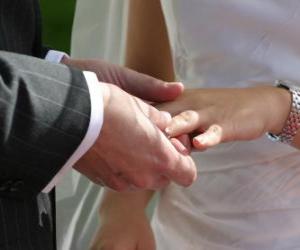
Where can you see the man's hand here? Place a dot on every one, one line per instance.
(143, 86)
(132, 150)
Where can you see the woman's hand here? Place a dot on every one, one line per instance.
(222, 115)
(124, 232)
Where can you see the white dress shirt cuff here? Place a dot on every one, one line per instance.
(55, 56)
(93, 131)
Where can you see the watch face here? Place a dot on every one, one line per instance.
(273, 137)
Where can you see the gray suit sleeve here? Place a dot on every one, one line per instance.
(44, 115)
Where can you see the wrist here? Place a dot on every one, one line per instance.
(120, 211)
(282, 100)
(76, 63)
(126, 203)
(65, 60)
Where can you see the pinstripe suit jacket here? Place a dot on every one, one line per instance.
(44, 114)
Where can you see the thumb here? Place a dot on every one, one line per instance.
(213, 136)
(149, 88)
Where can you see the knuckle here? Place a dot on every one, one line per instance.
(153, 114)
(189, 115)
(120, 188)
(143, 183)
(175, 123)
(116, 185)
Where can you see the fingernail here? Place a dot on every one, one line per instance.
(216, 129)
(177, 83)
(199, 141)
(196, 142)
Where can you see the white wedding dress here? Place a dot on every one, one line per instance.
(247, 196)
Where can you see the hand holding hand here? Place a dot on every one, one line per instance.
(132, 150)
(222, 115)
(140, 85)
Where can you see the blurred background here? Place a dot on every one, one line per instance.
(57, 23)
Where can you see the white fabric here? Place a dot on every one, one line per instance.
(95, 124)
(55, 56)
(98, 32)
(247, 196)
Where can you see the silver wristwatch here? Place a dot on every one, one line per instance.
(292, 123)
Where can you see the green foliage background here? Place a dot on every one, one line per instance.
(57, 16)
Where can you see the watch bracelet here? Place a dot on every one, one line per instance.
(292, 123)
